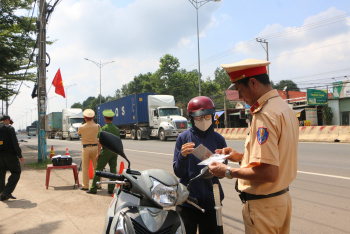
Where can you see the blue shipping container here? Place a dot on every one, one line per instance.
(128, 110)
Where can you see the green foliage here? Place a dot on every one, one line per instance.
(77, 105)
(327, 115)
(291, 86)
(16, 45)
(222, 78)
(170, 79)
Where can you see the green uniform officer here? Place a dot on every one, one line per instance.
(105, 156)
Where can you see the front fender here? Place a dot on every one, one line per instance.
(134, 219)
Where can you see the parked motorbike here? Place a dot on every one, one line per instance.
(145, 200)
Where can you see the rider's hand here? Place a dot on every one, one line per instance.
(187, 149)
(21, 159)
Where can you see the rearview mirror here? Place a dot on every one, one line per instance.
(204, 174)
(113, 143)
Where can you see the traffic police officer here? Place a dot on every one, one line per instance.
(105, 156)
(89, 140)
(269, 161)
(10, 152)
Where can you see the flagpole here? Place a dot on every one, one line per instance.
(49, 89)
(67, 86)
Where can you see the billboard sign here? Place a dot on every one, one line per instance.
(316, 97)
(341, 89)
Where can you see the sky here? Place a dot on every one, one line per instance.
(308, 42)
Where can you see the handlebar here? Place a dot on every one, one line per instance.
(110, 175)
(192, 199)
(193, 202)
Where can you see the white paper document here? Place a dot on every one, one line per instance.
(214, 158)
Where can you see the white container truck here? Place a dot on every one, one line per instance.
(72, 118)
(145, 115)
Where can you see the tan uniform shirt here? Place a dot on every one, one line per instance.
(89, 132)
(273, 139)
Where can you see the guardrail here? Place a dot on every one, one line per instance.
(306, 133)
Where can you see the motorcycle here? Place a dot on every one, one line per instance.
(144, 200)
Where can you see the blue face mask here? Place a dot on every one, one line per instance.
(203, 124)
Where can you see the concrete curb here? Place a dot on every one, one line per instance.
(306, 133)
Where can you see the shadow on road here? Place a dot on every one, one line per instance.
(21, 203)
(39, 229)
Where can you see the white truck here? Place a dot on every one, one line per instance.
(32, 131)
(145, 115)
(72, 118)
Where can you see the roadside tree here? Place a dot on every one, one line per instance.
(16, 46)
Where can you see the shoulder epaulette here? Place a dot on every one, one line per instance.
(259, 108)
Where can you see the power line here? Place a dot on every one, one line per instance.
(285, 32)
(317, 74)
(301, 51)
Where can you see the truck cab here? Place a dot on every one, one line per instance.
(32, 132)
(72, 118)
(166, 120)
(74, 123)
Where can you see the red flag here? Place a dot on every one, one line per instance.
(57, 82)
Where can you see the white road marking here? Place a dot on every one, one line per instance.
(325, 175)
(302, 172)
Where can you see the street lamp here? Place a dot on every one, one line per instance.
(262, 40)
(67, 86)
(197, 4)
(100, 65)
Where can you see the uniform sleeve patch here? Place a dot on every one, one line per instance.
(262, 135)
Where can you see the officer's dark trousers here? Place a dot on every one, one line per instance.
(194, 218)
(9, 162)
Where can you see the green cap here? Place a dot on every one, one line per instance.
(108, 113)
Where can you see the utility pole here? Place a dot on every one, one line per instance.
(225, 110)
(41, 63)
(262, 40)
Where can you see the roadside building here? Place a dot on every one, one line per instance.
(309, 111)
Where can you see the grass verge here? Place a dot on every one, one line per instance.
(39, 165)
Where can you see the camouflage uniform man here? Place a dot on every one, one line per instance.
(105, 156)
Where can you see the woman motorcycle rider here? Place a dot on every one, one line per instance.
(201, 111)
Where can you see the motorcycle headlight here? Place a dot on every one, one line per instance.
(162, 194)
(120, 228)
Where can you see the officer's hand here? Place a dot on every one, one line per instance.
(233, 154)
(21, 159)
(226, 150)
(217, 169)
(187, 149)
(97, 156)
